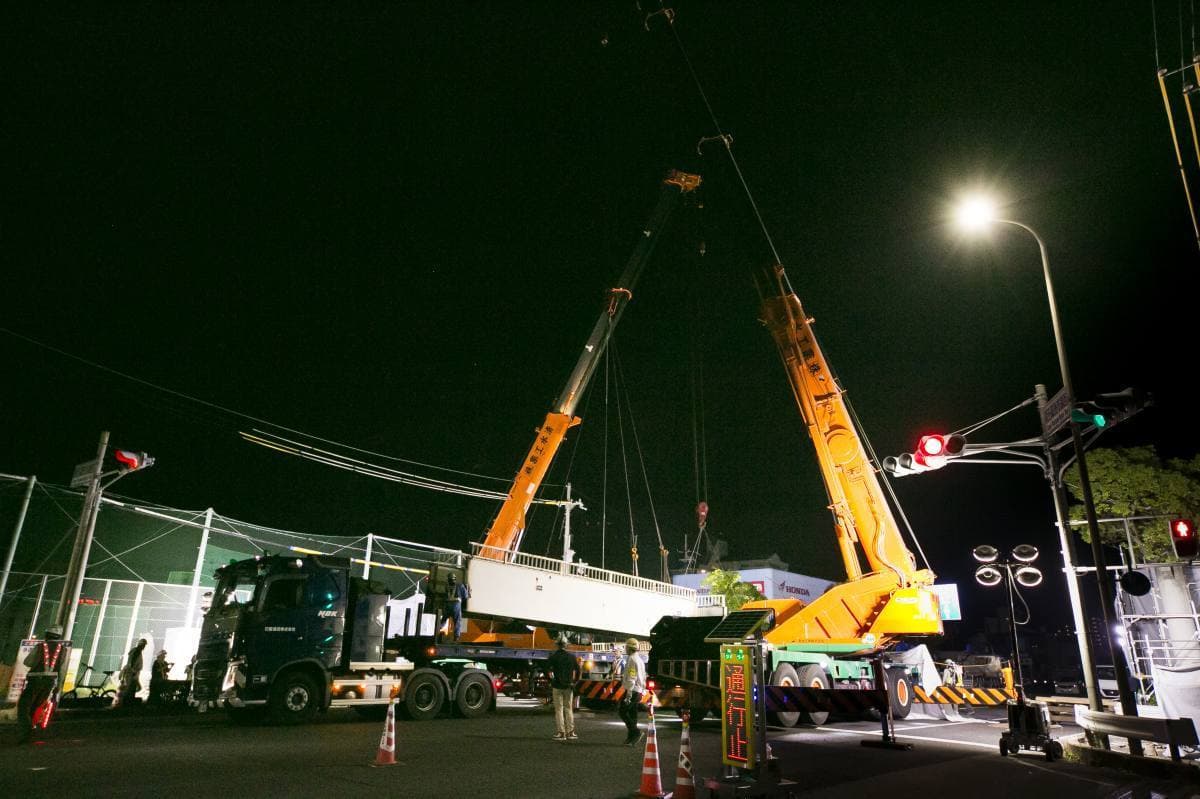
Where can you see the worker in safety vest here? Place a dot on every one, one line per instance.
(632, 668)
(46, 664)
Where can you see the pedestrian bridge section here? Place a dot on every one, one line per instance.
(553, 593)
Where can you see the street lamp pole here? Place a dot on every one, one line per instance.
(1012, 623)
(1120, 667)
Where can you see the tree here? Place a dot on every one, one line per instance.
(1135, 481)
(730, 585)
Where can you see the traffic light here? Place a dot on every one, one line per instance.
(932, 453)
(130, 461)
(1088, 413)
(1183, 538)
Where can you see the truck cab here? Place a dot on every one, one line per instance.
(281, 629)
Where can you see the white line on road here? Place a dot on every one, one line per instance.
(913, 737)
(940, 724)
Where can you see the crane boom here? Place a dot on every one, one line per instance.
(504, 535)
(893, 597)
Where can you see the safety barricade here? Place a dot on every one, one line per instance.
(789, 699)
(606, 691)
(953, 695)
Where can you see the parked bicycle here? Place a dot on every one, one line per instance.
(101, 693)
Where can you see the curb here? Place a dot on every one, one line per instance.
(1077, 750)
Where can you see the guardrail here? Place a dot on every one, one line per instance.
(556, 566)
(1172, 732)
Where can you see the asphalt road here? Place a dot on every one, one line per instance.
(510, 754)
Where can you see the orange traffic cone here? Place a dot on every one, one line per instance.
(685, 782)
(651, 778)
(386, 756)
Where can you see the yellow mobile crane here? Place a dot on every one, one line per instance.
(825, 643)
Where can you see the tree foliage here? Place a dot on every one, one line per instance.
(1135, 481)
(729, 584)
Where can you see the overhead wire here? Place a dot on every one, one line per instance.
(236, 413)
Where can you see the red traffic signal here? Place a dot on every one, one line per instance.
(132, 461)
(1183, 538)
(933, 450)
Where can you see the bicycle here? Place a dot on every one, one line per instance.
(103, 692)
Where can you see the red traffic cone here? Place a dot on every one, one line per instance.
(651, 778)
(685, 782)
(386, 756)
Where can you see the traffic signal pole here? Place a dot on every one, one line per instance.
(68, 603)
(1068, 553)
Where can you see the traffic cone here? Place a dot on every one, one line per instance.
(651, 778)
(685, 783)
(386, 756)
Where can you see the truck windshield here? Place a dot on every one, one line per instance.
(235, 590)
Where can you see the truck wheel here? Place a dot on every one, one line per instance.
(899, 693)
(1003, 748)
(294, 699)
(474, 695)
(811, 675)
(424, 696)
(784, 674)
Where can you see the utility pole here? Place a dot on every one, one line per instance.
(1068, 553)
(16, 536)
(73, 583)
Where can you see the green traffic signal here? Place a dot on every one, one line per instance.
(1080, 416)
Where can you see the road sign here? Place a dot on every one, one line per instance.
(737, 706)
(1055, 413)
(83, 473)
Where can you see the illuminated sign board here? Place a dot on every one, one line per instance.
(737, 708)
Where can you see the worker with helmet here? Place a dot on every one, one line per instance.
(46, 664)
(564, 671)
(632, 668)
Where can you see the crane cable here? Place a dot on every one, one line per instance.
(727, 140)
(633, 550)
(664, 565)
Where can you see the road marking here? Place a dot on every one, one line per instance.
(913, 737)
(940, 724)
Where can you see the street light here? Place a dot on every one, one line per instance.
(974, 214)
(1017, 569)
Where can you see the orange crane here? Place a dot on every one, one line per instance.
(828, 642)
(507, 529)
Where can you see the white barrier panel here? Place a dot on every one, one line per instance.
(562, 599)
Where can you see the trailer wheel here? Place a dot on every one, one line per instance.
(784, 674)
(899, 693)
(474, 695)
(811, 675)
(294, 698)
(424, 696)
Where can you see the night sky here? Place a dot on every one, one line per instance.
(393, 225)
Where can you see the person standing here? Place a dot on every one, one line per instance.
(46, 664)
(632, 668)
(456, 596)
(564, 671)
(131, 675)
(160, 672)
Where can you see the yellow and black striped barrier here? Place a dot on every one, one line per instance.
(953, 695)
(606, 691)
